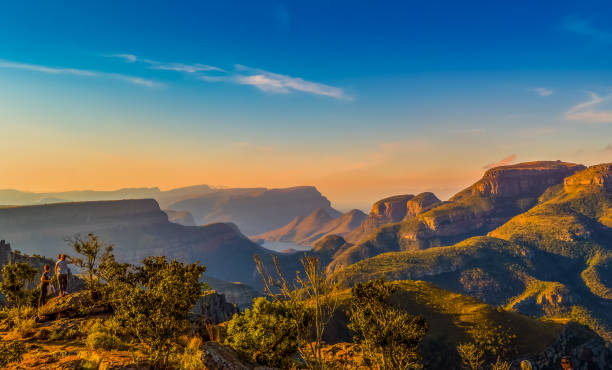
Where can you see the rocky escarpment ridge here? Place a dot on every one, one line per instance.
(501, 194)
(595, 176)
(524, 179)
(393, 209)
(312, 228)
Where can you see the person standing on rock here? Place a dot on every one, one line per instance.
(45, 279)
(61, 271)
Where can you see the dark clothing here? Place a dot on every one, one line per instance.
(43, 290)
(63, 282)
(43, 294)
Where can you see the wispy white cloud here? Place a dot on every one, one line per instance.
(263, 80)
(585, 28)
(76, 72)
(543, 91)
(504, 162)
(177, 67)
(587, 111)
(129, 58)
(283, 84)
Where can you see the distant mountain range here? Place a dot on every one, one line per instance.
(254, 210)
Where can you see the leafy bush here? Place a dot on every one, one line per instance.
(152, 302)
(103, 334)
(266, 334)
(311, 301)
(494, 340)
(11, 352)
(389, 337)
(90, 249)
(14, 278)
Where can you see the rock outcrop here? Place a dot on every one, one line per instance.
(312, 228)
(393, 209)
(236, 293)
(523, 179)
(597, 176)
(212, 308)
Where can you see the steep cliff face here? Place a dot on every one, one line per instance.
(501, 194)
(256, 210)
(312, 228)
(393, 209)
(523, 179)
(420, 204)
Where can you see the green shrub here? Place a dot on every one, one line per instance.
(389, 337)
(103, 335)
(14, 278)
(152, 302)
(494, 340)
(11, 352)
(191, 358)
(266, 334)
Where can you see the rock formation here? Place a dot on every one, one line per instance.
(312, 228)
(393, 209)
(212, 308)
(502, 193)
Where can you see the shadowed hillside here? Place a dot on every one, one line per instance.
(138, 228)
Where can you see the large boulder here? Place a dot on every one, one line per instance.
(212, 308)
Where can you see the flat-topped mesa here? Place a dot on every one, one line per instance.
(599, 176)
(523, 179)
(134, 211)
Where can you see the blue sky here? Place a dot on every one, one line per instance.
(362, 99)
